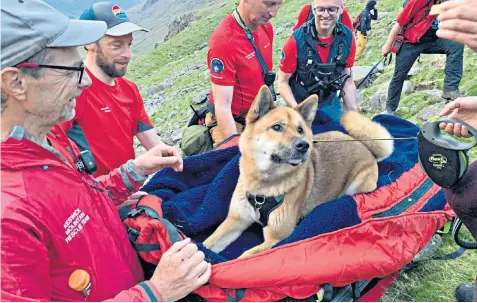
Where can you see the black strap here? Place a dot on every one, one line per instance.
(239, 294)
(264, 205)
(412, 23)
(456, 226)
(450, 256)
(249, 35)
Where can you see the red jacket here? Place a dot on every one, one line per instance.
(56, 219)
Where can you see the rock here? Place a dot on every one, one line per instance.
(426, 85)
(439, 62)
(201, 97)
(179, 25)
(379, 68)
(430, 111)
(433, 92)
(408, 87)
(359, 72)
(378, 101)
(414, 71)
(204, 45)
(153, 103)
(206, 74)
(384, 87)
(280, 30)
(159, 87)
(382, 15)
(173, 136)
(359, 97)
(159, 121)
(172, 115)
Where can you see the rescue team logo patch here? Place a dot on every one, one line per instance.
(216, 65)
(118, 12)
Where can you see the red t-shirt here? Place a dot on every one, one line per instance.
(305, 11)
(413, 12)
(232, 61)
(290, 54)
(110, 117)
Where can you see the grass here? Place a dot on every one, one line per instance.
(432, 280)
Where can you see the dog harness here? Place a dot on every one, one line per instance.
(263, 206)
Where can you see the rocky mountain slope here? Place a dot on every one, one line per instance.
(74, 8)
(175, 74)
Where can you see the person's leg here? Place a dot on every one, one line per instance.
(404, 61)
(463, 200)
(361, 46)
(454, 63)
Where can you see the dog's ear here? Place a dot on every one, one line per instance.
(262, 104)
(307, 109)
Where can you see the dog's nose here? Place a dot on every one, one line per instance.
(302, 146)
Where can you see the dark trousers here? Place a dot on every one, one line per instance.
(409, 54)
(463, 200)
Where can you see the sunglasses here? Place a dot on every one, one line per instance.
(79, 69)
(320, 10)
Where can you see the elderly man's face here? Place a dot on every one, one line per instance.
(261, 11)
(327, 13)
(52, 98)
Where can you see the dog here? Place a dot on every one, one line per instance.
(280, 165)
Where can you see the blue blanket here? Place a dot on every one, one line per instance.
(197, 199)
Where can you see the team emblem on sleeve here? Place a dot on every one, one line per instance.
(216, 65)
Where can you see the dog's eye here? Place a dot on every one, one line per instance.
(277, 128)
(300, 130)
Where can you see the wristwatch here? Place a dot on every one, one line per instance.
(131, 169)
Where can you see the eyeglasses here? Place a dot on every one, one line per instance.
(320, 10)
(79, 69)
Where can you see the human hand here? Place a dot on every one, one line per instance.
(458, 21)
(158, 157)
(464, 109)
(181, 270)
(386, 49)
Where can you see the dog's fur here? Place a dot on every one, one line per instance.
(272, 164)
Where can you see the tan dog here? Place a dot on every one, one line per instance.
(276, 162)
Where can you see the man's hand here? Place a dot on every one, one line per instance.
(386, 49)
(458, 21)
(181, 270)
(156, 158)
(464, 109)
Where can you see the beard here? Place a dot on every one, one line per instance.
(109, 68)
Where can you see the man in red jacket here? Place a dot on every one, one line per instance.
(307, 14)
(418, 31)
(55, 218)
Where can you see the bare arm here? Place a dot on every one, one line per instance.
(223, 109)
(285, 89)
(350, 92)
(149, 138)
(394, 32)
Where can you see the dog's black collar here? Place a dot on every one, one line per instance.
(263, 206)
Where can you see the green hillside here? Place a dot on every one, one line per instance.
(176, 72)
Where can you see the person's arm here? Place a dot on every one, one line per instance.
(26, 273)
(25, 262)
(149, 138)
(349, 89)
(285, 89)
(392, 35)
(363, 24)
(374, 14)
(129, 177)
(288, 66)
(223, 109)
